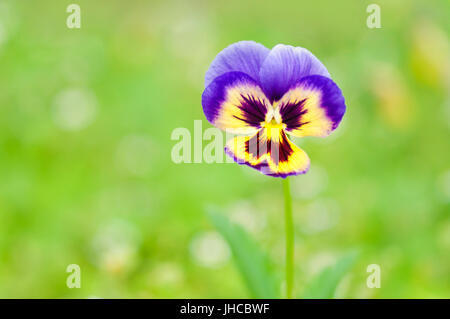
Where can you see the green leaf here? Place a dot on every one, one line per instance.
(325, 284)
(251, 261)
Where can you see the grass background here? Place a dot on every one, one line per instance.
(86, 175)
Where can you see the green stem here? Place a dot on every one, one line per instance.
(289, 238)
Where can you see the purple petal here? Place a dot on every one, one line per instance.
(243, 56)
(284, 66)
(314, 106)
(235, 102)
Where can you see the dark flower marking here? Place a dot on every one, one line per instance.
(292, 112)
(254, 110)
(279, 151)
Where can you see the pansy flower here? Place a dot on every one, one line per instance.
(265, 95)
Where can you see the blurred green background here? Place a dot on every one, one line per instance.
(86, 175)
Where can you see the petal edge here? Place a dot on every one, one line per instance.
(235, 102)
(273, 154)
(284, 66)
(242, 56)
(314, 106)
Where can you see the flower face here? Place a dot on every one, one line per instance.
(266, 95)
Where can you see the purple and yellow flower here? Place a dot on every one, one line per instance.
(266, 95)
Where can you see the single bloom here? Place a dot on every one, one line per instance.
(265, 95)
